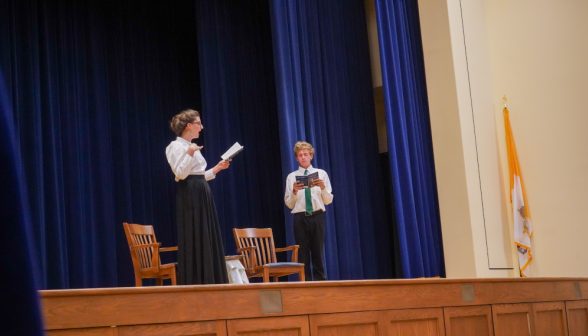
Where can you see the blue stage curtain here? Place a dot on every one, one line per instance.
(94, 85)
(325, 97)
(409, 139)
(239, 105)
(20, 304)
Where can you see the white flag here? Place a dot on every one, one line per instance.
(523, 228)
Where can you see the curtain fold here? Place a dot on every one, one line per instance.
(409, 139)
(325, 97)
(94, 85)
(239, 105)
(20, 309)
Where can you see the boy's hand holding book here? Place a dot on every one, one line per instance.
(297, 186)
(318, 183)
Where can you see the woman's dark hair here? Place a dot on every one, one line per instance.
(179, 122)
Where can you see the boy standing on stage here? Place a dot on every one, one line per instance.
(308, 206)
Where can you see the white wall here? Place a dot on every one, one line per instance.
(474, 225)
(539, 59)
(535, 53)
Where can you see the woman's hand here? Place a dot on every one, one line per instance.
(224, 164)
(193, 148)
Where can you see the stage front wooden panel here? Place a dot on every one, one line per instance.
(365, 323)
(415, 322)
(577, 317)
(407, 322)
(272, 326)
(423, 307)
(513, 319)
(467, 321)
(550, 319)
(109, 331)
(212, 328)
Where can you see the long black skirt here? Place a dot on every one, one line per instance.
(201, 256)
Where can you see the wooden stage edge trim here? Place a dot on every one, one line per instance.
(166, 306)
(284, 285)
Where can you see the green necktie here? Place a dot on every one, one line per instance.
(308, 197)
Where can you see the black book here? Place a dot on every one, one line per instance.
(307, 180)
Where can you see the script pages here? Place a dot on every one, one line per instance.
(234, 150)
(307, 180)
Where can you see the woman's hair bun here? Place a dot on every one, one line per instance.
(182, 119)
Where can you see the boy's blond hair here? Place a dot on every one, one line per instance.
(301, 145)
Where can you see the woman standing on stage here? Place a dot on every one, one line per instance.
(201, 257)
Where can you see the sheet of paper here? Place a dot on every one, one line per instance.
(229, 154)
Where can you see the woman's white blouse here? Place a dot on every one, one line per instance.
(183, 164)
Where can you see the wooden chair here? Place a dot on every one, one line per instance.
(145, 254)
(257, 245)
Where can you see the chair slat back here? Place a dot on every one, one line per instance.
(263, 239)
(141, 235)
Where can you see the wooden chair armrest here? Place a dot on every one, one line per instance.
(137, 247)
(293, 248)
(250, 257)
(248, 248)
(289, 248)
(167, 249)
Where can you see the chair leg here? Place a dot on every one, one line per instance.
(276, 279)
(301, 273)
(159, 282)
(138, 282)
(265, 274)
(173, 277)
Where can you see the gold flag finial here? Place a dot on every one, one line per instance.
(504, 98)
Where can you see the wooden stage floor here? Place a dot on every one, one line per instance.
(421, 307)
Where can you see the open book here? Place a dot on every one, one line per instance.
(234, 150)
(307, 180)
